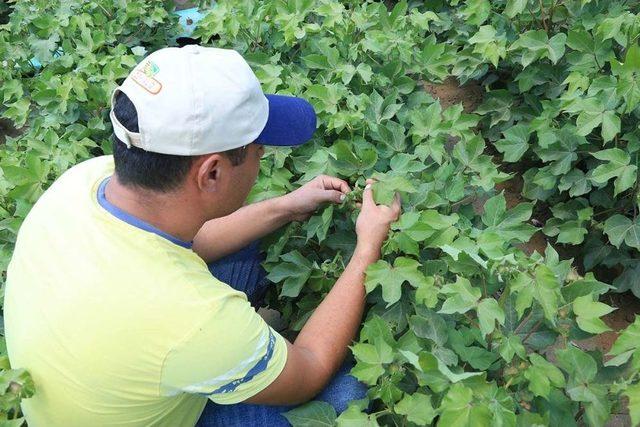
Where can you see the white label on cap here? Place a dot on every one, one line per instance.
(148, 83)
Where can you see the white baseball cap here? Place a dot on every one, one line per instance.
(199, 100)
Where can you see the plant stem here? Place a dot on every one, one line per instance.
(472, 321)
(506, 386)
(521, 324)
(105, 10)
(542, 19)
(465, 200)
(484, 286)
(551, 10)
(535, 328)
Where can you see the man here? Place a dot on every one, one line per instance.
(110, 303)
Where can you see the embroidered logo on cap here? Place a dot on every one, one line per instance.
(144, 77)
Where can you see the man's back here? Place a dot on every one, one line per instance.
(104, 314)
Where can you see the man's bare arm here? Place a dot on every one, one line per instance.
(321, 346)
(223, 236)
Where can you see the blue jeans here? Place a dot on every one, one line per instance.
(243, 272)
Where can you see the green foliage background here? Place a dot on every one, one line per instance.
(463, 327)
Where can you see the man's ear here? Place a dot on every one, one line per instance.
(211, 169)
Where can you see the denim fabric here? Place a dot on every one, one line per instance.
(243, 271)
(342, 389)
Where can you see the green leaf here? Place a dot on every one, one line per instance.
(494, 210)
(585, 286)
(354, 417)
(610, 125)
(620, 228)
(511, 346)
(581, 366)
(556, 47)
(610, 27)
(580, 40)
(542, 375)
(370, 360)
(428, 363)
(515, 7)
(462, 297)
(294, 271)
(477, 11)
(588, 314)
(458, 409)
(488, 313)
(543, 288)
(428, 224)
(315, 61)
(425, 122)
(426, 293)
(627, 345)
(576, 182)
(365, 72)
(508, 224)
(618, 167)
(534, 40)
(587, 121)
(387, 185)
(633, 394)
(427, 324)
(417, 408)
(312, 414)
(391, 278)
(515, 142)
(485, 34)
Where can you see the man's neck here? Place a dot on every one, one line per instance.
(168, 212)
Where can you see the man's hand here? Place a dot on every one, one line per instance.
(374, 221)
(303, 202)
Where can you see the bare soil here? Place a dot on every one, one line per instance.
(7, 129)
(450, 92)
(183, 4)
(627, 306)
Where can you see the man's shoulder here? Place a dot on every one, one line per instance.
(73, 188)
(86, 171)
(80, 176)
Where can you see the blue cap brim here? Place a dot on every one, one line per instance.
(292, 121)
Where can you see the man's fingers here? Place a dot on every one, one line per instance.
(335, 196)
(333, 183)
(367, 195)
(396, 204)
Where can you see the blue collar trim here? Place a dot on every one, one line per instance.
(132, 220)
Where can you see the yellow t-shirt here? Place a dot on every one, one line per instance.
(121, 324)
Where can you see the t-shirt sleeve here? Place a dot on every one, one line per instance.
(232, 355)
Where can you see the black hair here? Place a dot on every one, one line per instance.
(145, 169)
